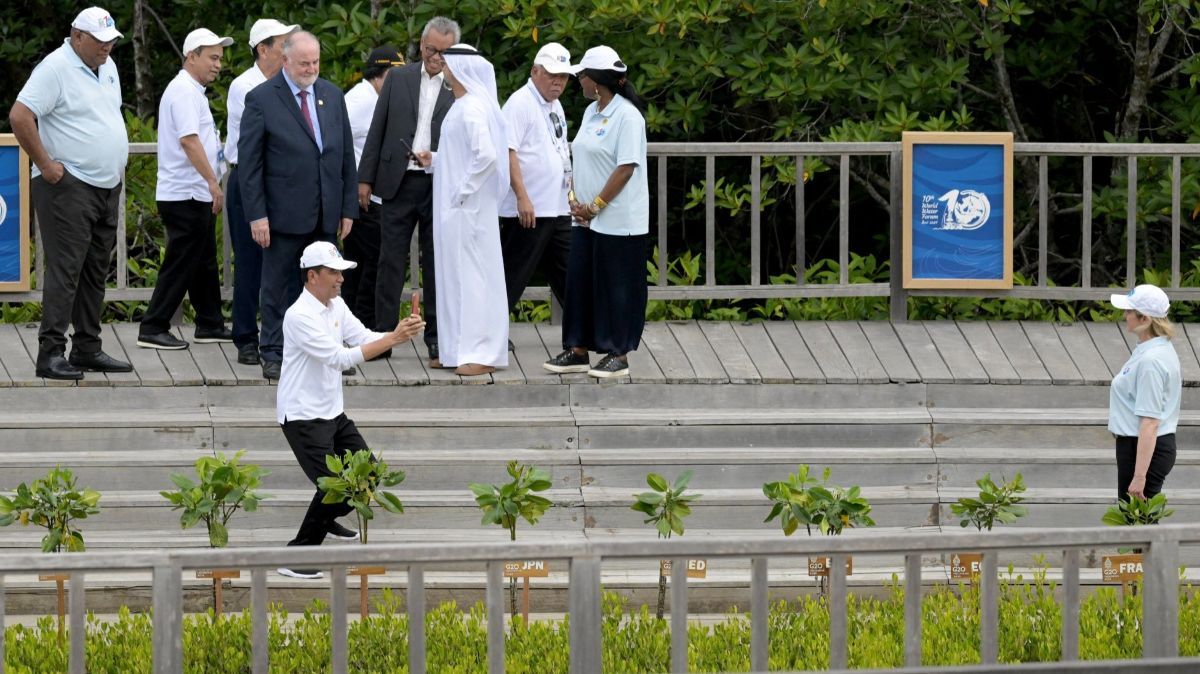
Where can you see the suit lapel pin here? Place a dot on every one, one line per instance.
(320, 102)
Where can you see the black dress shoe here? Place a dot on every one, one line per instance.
(98, 362)
(248, 354)
(433, 351)
(161, 340)
(55, 366)
(271, 368)
(212, 335)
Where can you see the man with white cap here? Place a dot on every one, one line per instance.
(309, 406)
(189, 198)
(266, 42)
(470, 176)
(535, 218)
(68, 120)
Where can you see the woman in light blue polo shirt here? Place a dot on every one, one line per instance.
(605, 303)
(1143, 402)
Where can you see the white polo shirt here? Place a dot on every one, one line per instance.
(79, 116)
(235, 105)
(314, 355)
(360, 108)
(607, 139)
(1149, 385)
(542, 151)
(183, 111)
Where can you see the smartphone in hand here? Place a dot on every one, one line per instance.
(409, 151)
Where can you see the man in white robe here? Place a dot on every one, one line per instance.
(470, 178)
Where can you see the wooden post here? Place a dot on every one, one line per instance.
(60, 580)
(525, 570)
(363, 572)
(525, 599)
(218, 576)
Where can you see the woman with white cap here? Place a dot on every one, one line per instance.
(1143, 402)
(605, 308)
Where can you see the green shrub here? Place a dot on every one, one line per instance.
(223, 487)
(996, 503)
(54, 503)
(632, 641)
(358, 479)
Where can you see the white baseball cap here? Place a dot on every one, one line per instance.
(599, 58)
(1145, 299)
(265, 28)
(324, 254)
(98, 22)
(554, 58)
(203, 37)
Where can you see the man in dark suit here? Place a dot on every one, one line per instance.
(296, 165)
(408, 118)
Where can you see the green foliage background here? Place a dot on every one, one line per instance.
(764, 70)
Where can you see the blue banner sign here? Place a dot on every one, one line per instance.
(958, 210)
(14, 216)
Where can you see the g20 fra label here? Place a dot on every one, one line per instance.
(1121, 568)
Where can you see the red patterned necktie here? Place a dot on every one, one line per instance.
(304, 111)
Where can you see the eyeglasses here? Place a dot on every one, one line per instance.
(558, 127)
(431, 52)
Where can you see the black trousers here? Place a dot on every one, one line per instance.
(311, 441)
(362, 246)
(78, 226)
(1160, 464)
(189, 268)
(247, 266)
(605, 309)
(282, 281)
(411, 210)
(546, 247)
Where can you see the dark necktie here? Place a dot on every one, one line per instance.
(304, 111)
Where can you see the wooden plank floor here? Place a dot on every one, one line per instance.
(691, 352)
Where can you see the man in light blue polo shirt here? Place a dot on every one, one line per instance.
(68, 119)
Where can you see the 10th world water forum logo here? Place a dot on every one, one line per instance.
(959, 210)
(3, 211)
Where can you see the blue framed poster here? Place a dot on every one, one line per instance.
(14, 216)
(958, 205)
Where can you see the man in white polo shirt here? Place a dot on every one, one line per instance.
(309, 408)
(189, 197)
(535, 219)
(68, 120)
(266, 41)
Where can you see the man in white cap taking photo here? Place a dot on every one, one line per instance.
(535, 218)
(309, 407)
(266, 42)
(189, 198)
(68, 120)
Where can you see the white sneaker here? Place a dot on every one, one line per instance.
(305, 574)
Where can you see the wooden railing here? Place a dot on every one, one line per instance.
(843, 155)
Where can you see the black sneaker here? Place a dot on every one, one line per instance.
(350, 371)
(161, 340)
(336, 530)
(212, 335)
(304, 574)
(609, 366)
(568, 361)
(248, 354)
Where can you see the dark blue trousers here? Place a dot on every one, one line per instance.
(247, 266)
(282, 282)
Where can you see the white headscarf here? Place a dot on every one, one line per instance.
(476, 74)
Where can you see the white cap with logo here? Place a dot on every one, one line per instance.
(265, 28)
(554, 58)
(203, 37)
(98, 22)
(599, 58)
(324, 254)
(1145, 299)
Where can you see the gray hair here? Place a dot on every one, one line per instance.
(299, 36)
(443, 25)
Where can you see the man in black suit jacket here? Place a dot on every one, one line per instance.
(408, 116)
(296, 165)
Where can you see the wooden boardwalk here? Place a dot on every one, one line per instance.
(691, 352)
